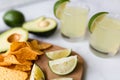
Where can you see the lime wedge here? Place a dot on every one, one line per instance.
(63, 66)
(58, 54)
(36, 73)
(59, 7)
(62, 79)
(95, 19)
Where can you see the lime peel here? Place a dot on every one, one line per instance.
(94, 18)
(58, 53)
(59, 6)
(36, 73)
(63, 66)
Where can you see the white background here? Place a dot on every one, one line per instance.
(95, 68)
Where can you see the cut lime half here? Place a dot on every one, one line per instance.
(36, 73)
(63, 66)
(59, 7)
(62, 79)
(95, 19)
(58, 53)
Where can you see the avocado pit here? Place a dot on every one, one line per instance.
(44, 24)
(14, 37)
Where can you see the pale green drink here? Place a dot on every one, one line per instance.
(105, 39)
(74, 21)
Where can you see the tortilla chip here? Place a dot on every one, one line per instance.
(22, 67)
(11, 59)
(17, 45)
(21, 54)
(27, 63)
(1, 58)
(35, 44)
(40, 45)
(11, 66)
(26, 54)
(39, 52)
(29, 45)
(43, 46)
(9, 74)
(25, 66)
(28, 72)
(5, 64)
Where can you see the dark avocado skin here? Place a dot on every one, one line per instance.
(45, 34)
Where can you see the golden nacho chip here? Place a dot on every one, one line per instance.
(9, 74)
(28, 72)
(27, 63)
(11, 66)
(5, 64)
(1, 58)
(17, 45)
(39, 52)
(40, 45)
(26, 54)
(29, 44)
(23, 67)
(35, 44)
(21, 54)
(11, 59)
(44, 46)
(2, 62)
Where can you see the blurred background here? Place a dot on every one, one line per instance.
(7, 4)
(98, 4)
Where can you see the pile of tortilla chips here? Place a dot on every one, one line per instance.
(21, 55)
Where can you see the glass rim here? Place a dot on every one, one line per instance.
(106, 28)
(77, 4)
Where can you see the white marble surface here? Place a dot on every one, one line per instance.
(95, 68)
(7, 4)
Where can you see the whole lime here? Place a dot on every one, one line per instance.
(14, 18)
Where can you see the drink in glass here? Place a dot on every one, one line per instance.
(105, 39)
(74, 21)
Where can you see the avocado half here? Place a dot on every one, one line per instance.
(42, 26)
(12, 35)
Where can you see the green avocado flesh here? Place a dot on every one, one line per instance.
(12, 35)
(42, 26)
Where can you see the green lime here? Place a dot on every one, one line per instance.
(63, 66)
(63, 79)
(58, 53)
(95, 19)
(59, 7)
(36, 73)
(14, 18)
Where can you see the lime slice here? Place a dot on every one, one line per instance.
(95, 19)
(62, 79)
(36, 73)
(58, 54)
(63, 66)
(59, 7)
